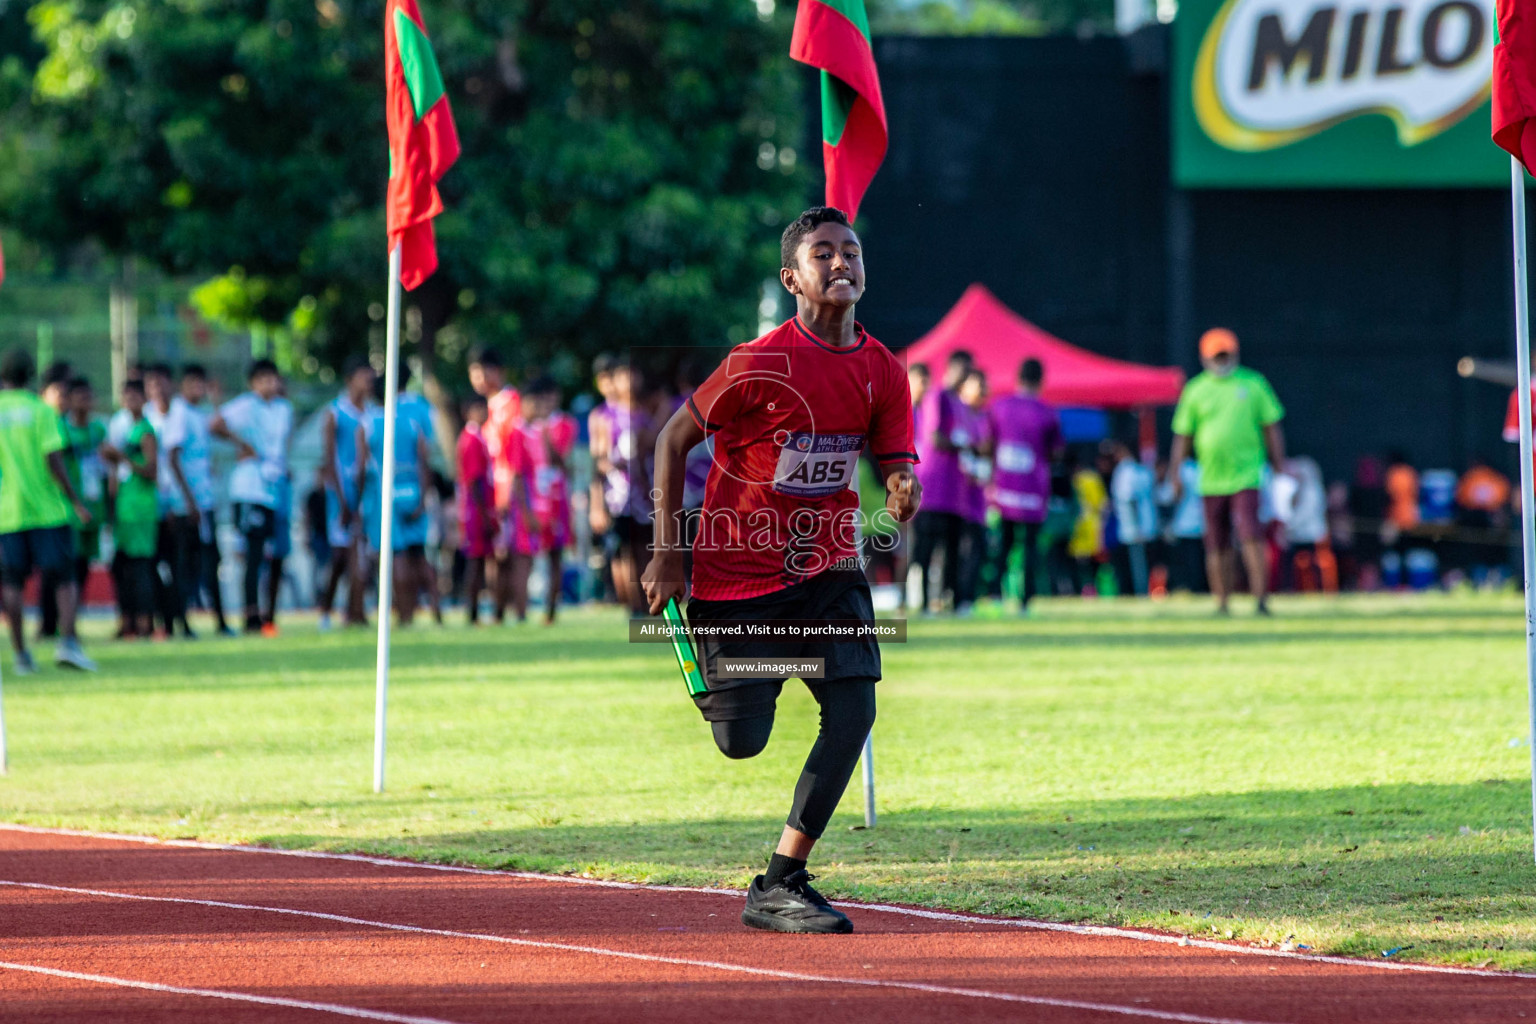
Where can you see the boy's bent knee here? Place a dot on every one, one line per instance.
(743, 738)
(847, 709)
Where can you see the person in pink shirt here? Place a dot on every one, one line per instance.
(541, 498)
(488, 376)
(476, 502)
(1026, 434)
(600, 446)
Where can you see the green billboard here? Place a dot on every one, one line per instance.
(1319, 94)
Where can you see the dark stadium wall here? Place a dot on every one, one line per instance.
(1040, 167)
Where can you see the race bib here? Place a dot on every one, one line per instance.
(1015, 458)
(816, 465)
(407, 492)
(1018, 501)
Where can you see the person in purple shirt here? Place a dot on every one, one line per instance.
(919, 377)
(1026, 437)
(977, 463)
(943, 435)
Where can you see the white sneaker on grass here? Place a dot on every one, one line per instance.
(23, 665)
(70, 655)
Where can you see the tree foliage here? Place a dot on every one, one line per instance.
(626, 167)
(989, 17)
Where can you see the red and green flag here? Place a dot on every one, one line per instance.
(1514, 81)
(833, 35)
(423, 142)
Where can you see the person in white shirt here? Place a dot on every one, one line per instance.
(259, 424)
(1186, 529)
(176, 549)
(118, 426)
(194, 458)
(1131, 487)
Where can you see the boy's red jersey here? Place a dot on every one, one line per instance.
(506, 414)
(790, 416)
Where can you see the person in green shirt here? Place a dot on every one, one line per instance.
(83, 437)
(136, 527)
(1232, 416)
(54, 391)
(38, 507)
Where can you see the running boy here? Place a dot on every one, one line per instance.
(790, 414)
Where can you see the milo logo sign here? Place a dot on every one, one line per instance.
(1269, 73)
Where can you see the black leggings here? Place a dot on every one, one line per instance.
(1029, 564)
(207, 581)
(847, 713)
(136, 598)
(48, 595)
(176, 548)
(257, 525)
(937, 530)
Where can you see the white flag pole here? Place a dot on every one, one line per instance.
(868, 759)
(386, 515)
(1527, 511)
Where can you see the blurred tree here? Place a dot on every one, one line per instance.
(18, 46)
(989, 17)
(626, 167)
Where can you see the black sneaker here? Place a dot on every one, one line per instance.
(793, 906)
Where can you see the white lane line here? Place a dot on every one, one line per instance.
(1101, 931)
(239, 997)
(715, 965)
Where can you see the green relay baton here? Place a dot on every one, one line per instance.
(682, 646)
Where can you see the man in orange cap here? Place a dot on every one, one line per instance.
(1232, 416)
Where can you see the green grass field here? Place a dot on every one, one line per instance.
(1354, 773)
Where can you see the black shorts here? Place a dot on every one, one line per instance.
(835, 594)
(252, 518)
(50, 551)
(635, 533)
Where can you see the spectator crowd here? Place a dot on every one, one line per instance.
(1011, 509)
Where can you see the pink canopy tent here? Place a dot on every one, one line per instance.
(1001, 340)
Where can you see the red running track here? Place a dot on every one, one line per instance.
(101, 928)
